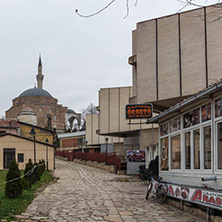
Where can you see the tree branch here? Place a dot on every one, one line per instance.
(127, 8)
(96, 13)
(101, 10)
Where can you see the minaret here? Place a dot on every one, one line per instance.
(40, 77)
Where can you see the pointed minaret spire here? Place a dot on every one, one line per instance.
(40, 61)
(40, 77)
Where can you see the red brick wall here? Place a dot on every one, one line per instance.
(64, 143)
(48, 105)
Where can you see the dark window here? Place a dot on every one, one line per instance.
(9, 154)
(80, 142)
(20, 157)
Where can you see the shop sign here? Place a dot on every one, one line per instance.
(196, 195)
(139, 111)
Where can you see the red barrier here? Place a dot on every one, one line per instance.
(102, 158)
(78, 155)
(112, 158)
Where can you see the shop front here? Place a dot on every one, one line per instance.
(190, 147)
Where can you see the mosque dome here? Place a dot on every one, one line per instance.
(35, 92)
(27, 115)
(70, 111)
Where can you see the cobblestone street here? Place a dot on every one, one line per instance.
(84, 193)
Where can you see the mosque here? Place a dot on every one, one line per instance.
(38, 107)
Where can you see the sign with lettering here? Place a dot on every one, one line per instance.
(208, 198)
(139, 111)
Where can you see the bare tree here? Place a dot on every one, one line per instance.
(185, 4)
(215, 13)
(104, 8)
(90, 109)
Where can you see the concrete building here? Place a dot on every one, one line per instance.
(112, 120)
(111, 123)
(96, 141)
(173, 57)
(176, 56)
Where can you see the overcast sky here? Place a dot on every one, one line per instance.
(79, 55)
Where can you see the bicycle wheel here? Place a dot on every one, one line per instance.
(150, 186)
(161, 193)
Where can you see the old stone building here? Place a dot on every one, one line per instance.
(37, 103)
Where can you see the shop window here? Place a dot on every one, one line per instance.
(218, 107)
(206, 112)
(207, 147)
(174, 125)
(192, 118)
(164, 154)
(20, 157)
(175, 152)
(187, 151)
(196, 136)
(164, 129)
(219, 133)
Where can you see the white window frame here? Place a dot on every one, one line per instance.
(170, 151)
(216, 145)
(206, 124)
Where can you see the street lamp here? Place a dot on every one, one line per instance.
(106, 139)
(86, 142)
(47, 164)
(33, 133)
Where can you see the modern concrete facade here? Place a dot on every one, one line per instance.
(98, 141)
(176, 56)
(111, 123)
(173, 57)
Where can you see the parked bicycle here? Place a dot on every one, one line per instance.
(159, 188)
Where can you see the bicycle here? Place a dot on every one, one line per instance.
(160, 189)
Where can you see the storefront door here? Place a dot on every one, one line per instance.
(9, 154)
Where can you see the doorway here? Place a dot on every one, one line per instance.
(9, 154)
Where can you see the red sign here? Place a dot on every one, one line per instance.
(139, 111)
(209, 198)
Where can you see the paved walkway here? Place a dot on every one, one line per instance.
(84, 193)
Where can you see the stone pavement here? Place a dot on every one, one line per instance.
(84, 193)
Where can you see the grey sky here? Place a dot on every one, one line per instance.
(79, 55)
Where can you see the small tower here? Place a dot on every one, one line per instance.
(40, 77)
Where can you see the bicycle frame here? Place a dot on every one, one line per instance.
(160, 190)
